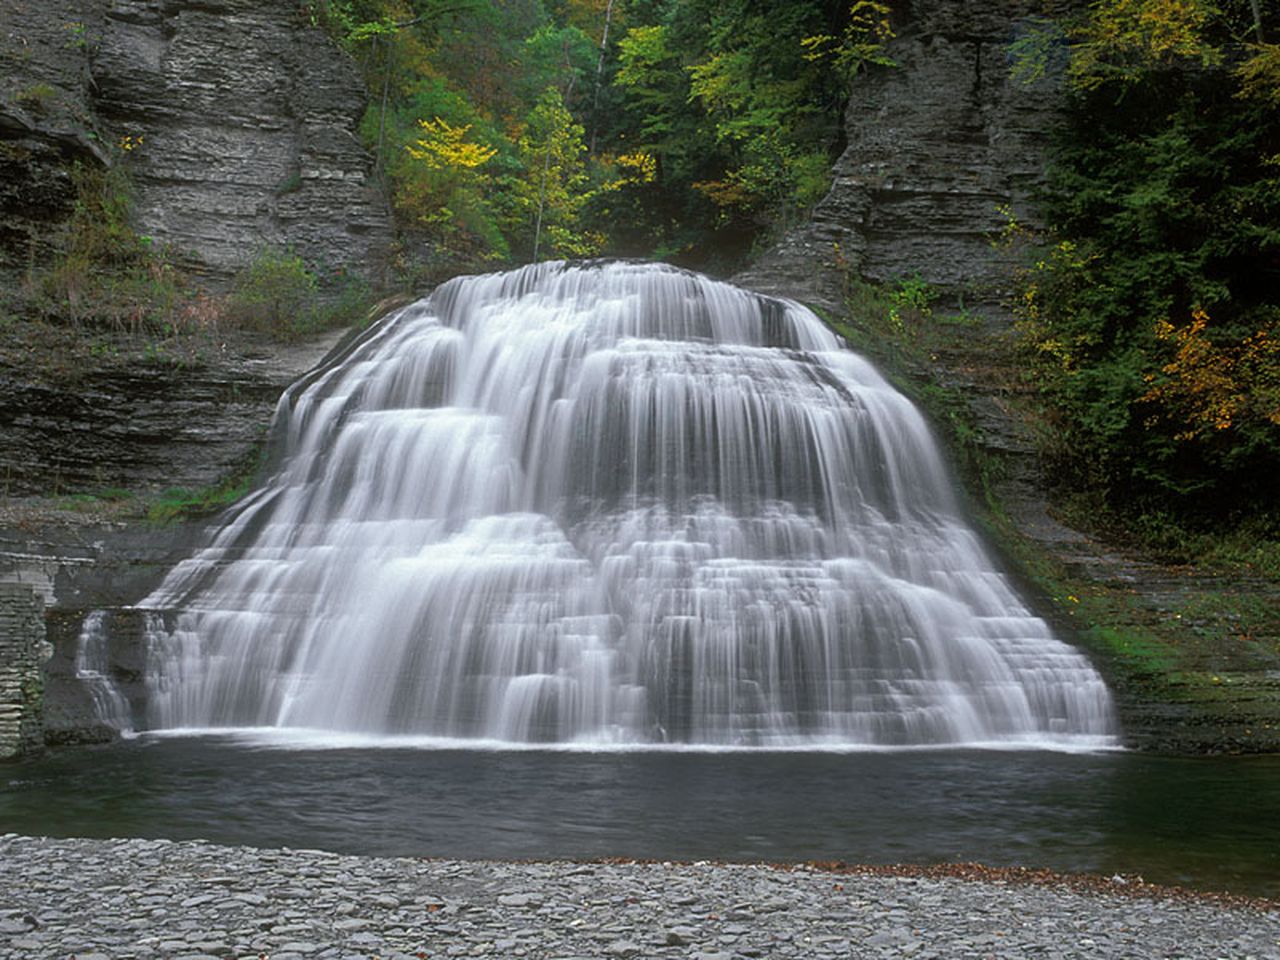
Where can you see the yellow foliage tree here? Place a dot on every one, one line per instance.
(445, 187)
(1121, 39)
(862, 43)
(1259, 75)
(1211, 388)
(444, 147)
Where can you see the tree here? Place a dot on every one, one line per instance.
(1156, 308)
(544, 205)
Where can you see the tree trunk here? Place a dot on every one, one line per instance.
(595, 96)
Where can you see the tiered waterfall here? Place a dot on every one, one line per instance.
(602, 504)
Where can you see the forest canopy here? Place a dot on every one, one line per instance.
(516, 130)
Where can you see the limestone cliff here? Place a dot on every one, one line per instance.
(935, 145)
(241, 118)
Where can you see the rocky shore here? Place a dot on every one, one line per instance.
(98, 899)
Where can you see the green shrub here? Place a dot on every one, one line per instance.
(275, 294)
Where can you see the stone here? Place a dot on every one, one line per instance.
(681, 936)
(23, 652)
(936, 146)
(236, 150)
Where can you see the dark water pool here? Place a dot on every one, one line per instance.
(1208, 823)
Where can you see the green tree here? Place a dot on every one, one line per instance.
(544, 205)
(1154, 310)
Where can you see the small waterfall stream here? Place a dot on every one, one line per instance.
(602, 504)
(93, 670)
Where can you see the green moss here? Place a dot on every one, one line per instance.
(91, 501)
(180, 503)
(36, 97)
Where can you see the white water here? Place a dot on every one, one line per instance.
(93, 670)
(609, 504)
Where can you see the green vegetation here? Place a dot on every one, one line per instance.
(1193, 641)
(277, 294)
(1150, 315)
(679, 129)
(36, 97)
(177, 504)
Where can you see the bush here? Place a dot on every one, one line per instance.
(275, 294)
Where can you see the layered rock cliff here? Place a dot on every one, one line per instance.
(235, 122)
(936, 146)
(234, 118)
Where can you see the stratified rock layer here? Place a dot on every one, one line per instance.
(938, 148)
(240, 121)
(141, 427)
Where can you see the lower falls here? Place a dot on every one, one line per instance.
(608, 504)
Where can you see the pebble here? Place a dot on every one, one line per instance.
(119, 899)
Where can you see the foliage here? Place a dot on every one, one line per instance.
(1259, 75)
(1210, 388)
(178, 503)
(553, 187)
(1151, 314)
(279, 295)
(36, 97)
(1038, 50)
(910, 294)
(1125, 40)
(861, 45)
(734, 106)
(273, 293)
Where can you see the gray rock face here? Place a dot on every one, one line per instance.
(22, 651)
(246, 117)
(141, 427)
(45, 124)
(248, 120)
(936, 145)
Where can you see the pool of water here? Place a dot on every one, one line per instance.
(1212, 823)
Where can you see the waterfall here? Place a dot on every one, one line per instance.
(609, 503)
(93, 670)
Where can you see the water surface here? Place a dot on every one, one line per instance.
(1208, 823)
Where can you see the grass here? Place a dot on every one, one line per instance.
(178, 504)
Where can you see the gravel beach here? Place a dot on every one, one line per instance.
(97, 899)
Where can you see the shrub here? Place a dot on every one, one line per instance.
(274, 294)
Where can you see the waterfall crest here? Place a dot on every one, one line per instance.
(609, 503)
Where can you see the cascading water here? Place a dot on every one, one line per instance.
(93, 670)
(609, 503)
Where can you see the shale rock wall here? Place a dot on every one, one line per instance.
(23, 651)
(936, 145)
(134, 427)
(141, 427)
(241, 120)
